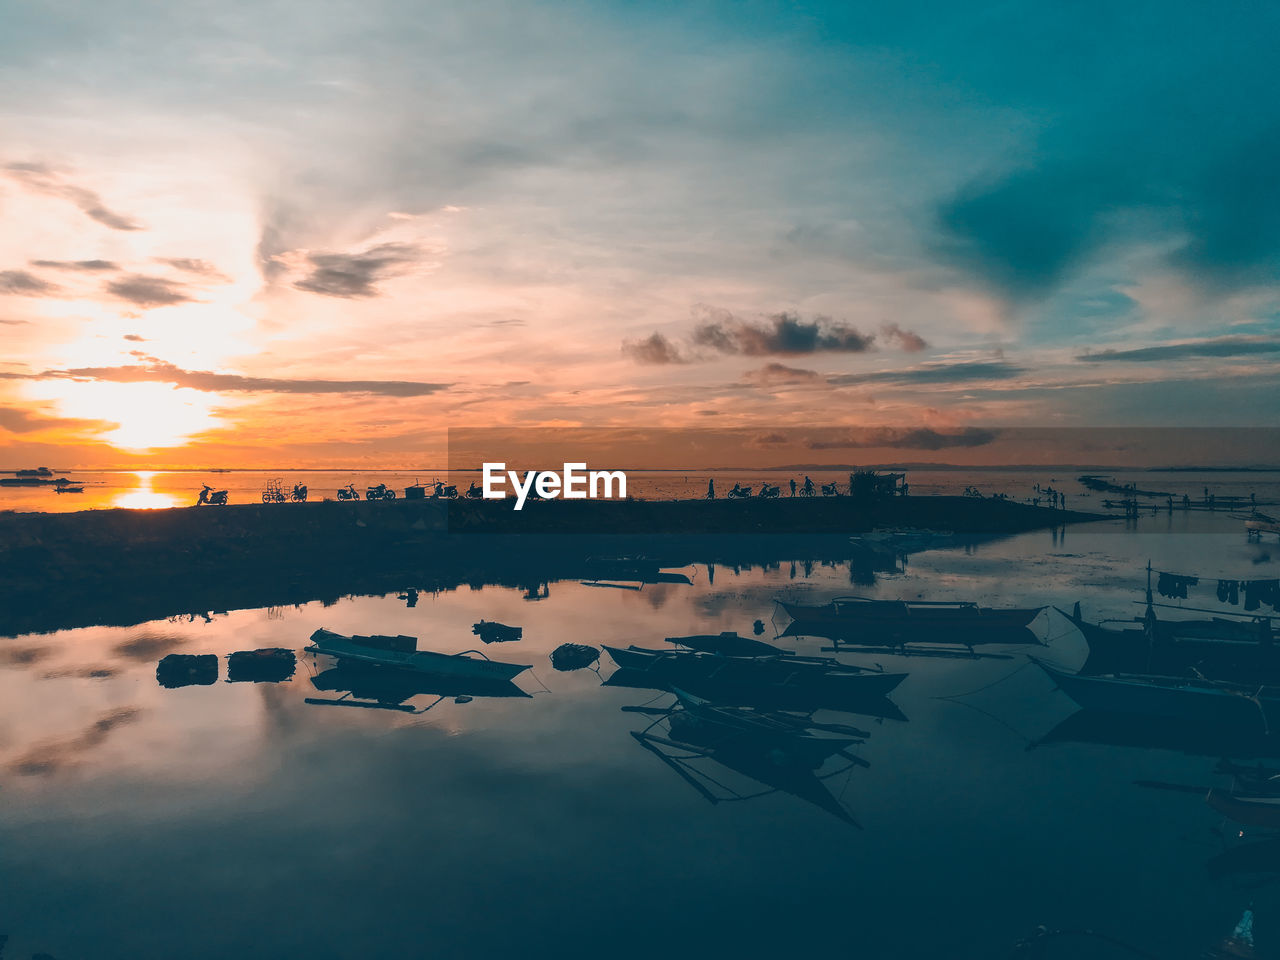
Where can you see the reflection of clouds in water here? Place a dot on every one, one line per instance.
(48, 758)
(23, 656)
(81, 673)
(148, 646)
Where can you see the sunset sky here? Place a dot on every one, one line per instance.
(322, 233)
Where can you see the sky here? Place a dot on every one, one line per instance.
(326, 233)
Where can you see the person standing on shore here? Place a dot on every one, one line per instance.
(793, 486)
(711, 489)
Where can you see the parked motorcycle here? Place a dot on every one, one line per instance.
(212, 497)
(349, 492)
(299, 494)
(769, 491)
(273, 493)
(739, 492)
(830, 490)
(474, 492)
(380, 492)
(443, 492)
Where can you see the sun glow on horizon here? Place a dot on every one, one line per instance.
(147, 416)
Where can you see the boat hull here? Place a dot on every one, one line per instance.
(897, 622)
(423, 661)
(1250, 811)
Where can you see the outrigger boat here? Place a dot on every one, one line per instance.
(729, 644)
(388, 688)
(1178, 697)
(902, 621)
(390, 652)
(1258, 523)
(818, 674)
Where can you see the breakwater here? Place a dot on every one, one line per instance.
(127, 566)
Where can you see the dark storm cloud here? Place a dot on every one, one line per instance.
(937, 373)
(43, 179)
(146, 291)
(356, 274)
(20, 283)
(160, 372)
(1219, 347)
(82, 266)
(920, 438)
(653, 349)
(782, 334)
(779, 374)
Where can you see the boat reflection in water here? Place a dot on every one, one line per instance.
(388, 688)
(776, 750)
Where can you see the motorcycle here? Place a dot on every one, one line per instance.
(212, 497)
(445, 493)
(830, 490)
(299, 494)
(380, 492)
(349, 492)
(474, 492)
(739, 492)
(769, 491)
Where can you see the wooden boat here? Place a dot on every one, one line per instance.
(1222, 648)
(905, 621)
(1260, 811)
(729, 644)
(808, 673)
(1259, 523)
(368, 650)
(1179, 697)
(68, 488)
(387, 688)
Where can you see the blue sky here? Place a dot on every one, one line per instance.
(618, 214)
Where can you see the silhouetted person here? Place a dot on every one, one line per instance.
(711, 489)
(793, 486)
(808, 487)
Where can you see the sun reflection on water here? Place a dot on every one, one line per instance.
(143, 497)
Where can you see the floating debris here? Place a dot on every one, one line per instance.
(186, 670)
(269, 665)
(573, 656)
(490, 631)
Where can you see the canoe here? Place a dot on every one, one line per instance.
(1177, 697)
(458, 665)
(901, 621)
(801, 673)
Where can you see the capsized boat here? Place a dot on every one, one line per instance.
(370, 650)
(901, 621)
(810, 673)
(729, 644)
(1180, 697)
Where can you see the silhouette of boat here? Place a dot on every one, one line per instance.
(775, 751)
(490, 631)
(1224, 649)
(817, 674)
(1210, 701)
(186, 670)
(1186, 735)
(901, 621)
(373, 650)
(268, 665)
(729, 644)
(387, 688)
(1253, 811)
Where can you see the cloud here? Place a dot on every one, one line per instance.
(16, 420)
(775, 374)
(918, 438)
(51, 757)
(907, 340)
(134, 338)
(783, 334)
(203, 380)
(201, 268)
(935, 373)
(1219, 347)
(653, 349)
(83, 266)
(356, 274)
(43, 179)
(20, 283)
(148, 291)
